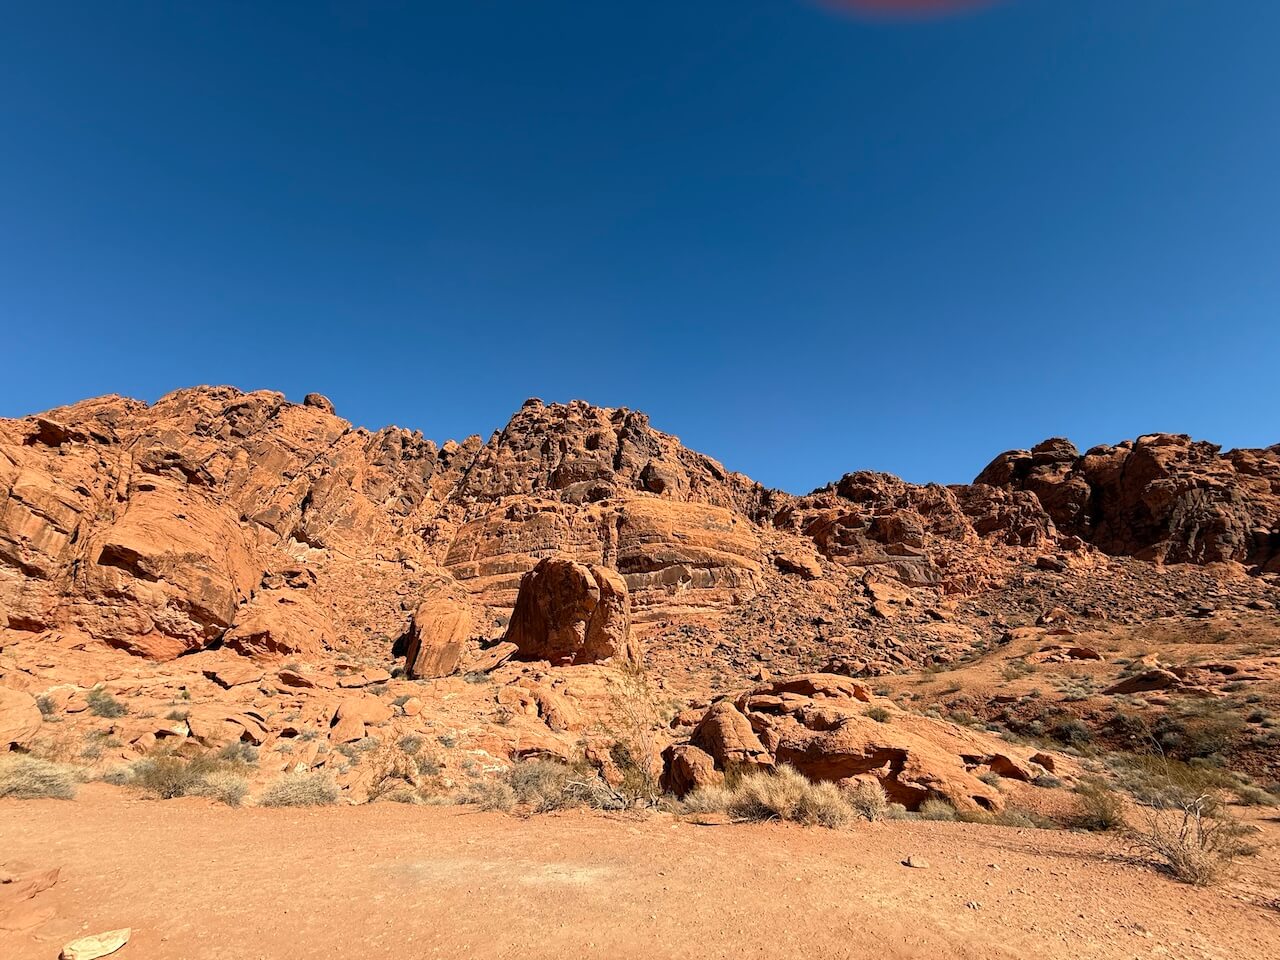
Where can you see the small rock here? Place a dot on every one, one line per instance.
(919, 863)
(99, 945)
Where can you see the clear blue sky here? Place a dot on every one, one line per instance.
(804, 241)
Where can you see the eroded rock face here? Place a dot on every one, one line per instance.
(280, 623)
(20, 719)
(1161, 497)
(819, 724)
(163, 529)
(569, 612)
(441, 627)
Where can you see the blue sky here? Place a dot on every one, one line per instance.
(806, 241)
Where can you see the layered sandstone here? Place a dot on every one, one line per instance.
(219, 517)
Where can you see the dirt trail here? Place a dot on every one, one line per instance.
(199, 881)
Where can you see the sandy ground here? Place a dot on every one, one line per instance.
(195, 880)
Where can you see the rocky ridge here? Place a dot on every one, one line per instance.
(309, 588)
(165, 529)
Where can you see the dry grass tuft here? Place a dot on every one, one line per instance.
(489, 794)
(545, 785)
(208, 775)
(103, 704)
(223, 786)
(301, 790)
(868, 800)
(30, 778)
(786, 794)
(935, 808)
(707, 800)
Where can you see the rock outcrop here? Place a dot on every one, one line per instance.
(19, 719)
(437, 636)
(1161, 497)
(569, 612)
(831, 728)
(219, 517)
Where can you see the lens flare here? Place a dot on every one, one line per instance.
(917, 9)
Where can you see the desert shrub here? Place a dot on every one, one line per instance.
(397, 792)
(167, 776)
(635, 719)
(868, 800)
(46, 706)
(239, 752)
(879, 714)
(476, 676)
(768, 795)
(935, 808)
(546, 785)
(1024, 819)
(410, 743)
(1046, 781)
(103, 704)
(30, 778)
(488, 794)
(1198, 842)
(402, 776)
(786, 794)
(1254, 796)
(1071, 732)
(1100, 808)
(177, 715)
(224, 786)
(824, 805)
(991, 779)
(301, 789)
(1195, 730)
(356, 750)
(712, 799)
(1166, 783)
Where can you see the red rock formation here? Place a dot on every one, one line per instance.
(571, 612)
(164, 529)
(1161, 497)
(819, 724)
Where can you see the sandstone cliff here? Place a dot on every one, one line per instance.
(219, 516)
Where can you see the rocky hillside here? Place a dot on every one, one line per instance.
(233, 575)
(215, 516)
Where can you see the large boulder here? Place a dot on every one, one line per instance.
(569, 612)
(440, 629)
